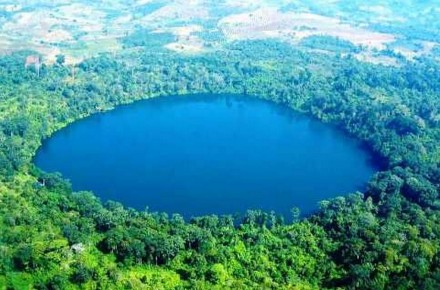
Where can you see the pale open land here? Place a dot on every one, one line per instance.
(271, 23)
(186, 40)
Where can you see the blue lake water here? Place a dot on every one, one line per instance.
(205, 154)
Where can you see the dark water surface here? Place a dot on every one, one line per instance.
(199, 155)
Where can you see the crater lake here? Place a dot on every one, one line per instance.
(208, 154)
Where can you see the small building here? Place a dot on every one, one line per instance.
(32, 60)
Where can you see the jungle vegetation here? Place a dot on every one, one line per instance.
(385, 237)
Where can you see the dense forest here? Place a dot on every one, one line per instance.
(386, 237)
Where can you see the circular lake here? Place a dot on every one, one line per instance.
(205, 154)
